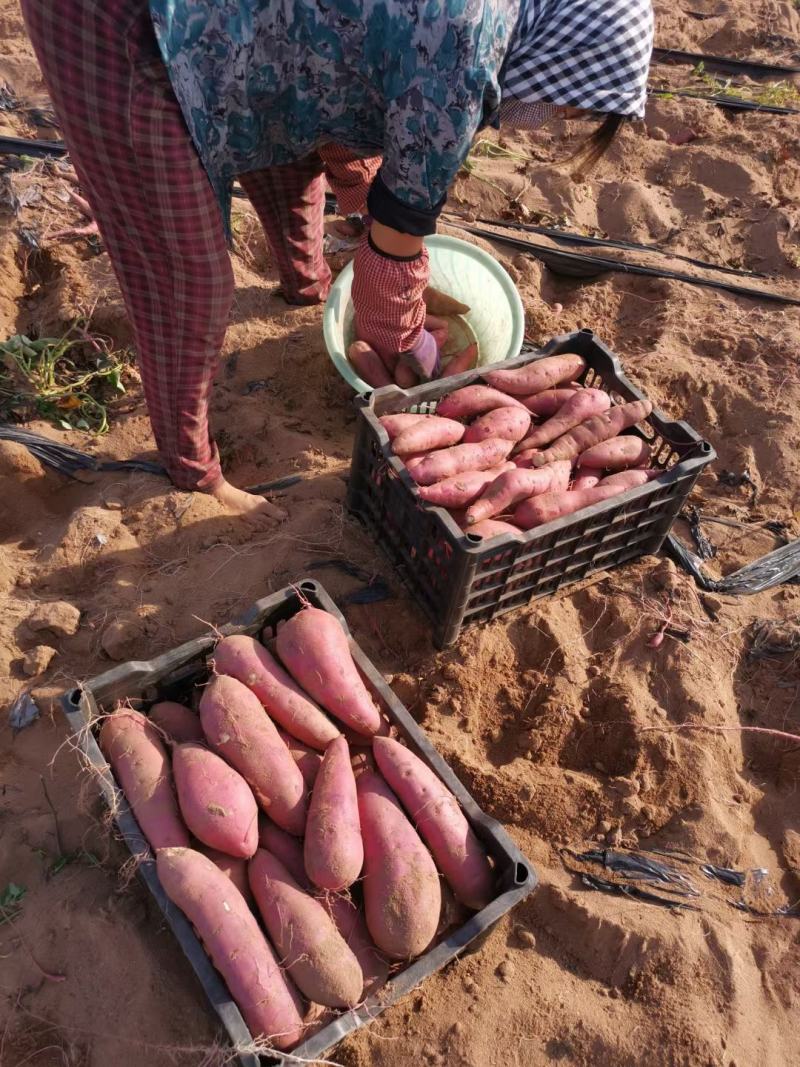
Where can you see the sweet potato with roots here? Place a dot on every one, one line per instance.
(217, 804)
(234, 867)
(246, 660)
(489, 528)
(231, 935)
(304, 756)
(288, 849)
(351, 925)
(140, 762)
(333, 850)
(617, 454)
(512, 487)
(461, 362)
(474, 400)
(440, 821)
(239, 730)
(179, 723)
(427, 436)
(448, 462)
(541, 509)
(402, 896)
(461, 489)
(396, 424)
(595, 430)
(580, 407)
(511, 424)
(314, 649)
(369, 365)
(543, 405)
(539, 375)
(311, 948)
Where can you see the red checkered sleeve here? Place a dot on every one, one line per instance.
(387, 299)
(349, 177)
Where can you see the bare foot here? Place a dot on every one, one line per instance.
(251, 507)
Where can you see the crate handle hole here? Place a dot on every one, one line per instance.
(75, 698)
(474, 539)
(521, 874)
(308, 586)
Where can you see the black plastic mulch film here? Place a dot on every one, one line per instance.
(457, 578)
(173, 676)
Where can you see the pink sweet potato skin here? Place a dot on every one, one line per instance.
(598, 428)
(426, 436)
(630, 479)
(369, 365)
(512, 487)
(312, 950)
(238, 729)
(288, 849)
(474, 400)
(351, 925)
(314, 649)
(461, 362)
(334, 851)
(141, 765)
(402, 896)
(511, 424)
(217, 804)
(538, 376)
(235, 869)
(231, 935)
(461, 489)
(587, 478)
(488, 528)
(617, 454)
(545, 404)
(247, 660)
(304, 756)
(581, 406)
(396, 424)
(440, 821)
(448, 462)
(541, 509)
(179, 723)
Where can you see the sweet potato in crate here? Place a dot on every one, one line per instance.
(458, 578)
(173, 677)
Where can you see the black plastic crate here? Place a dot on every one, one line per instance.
(458, 578)
(173, 676)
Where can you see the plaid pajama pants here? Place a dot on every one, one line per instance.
(158, 216)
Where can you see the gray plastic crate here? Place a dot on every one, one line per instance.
(173, 676)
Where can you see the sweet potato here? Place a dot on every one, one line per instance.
(234, 867)
(525, 459)
(461, 362)
(404, 376)
(461, 489)
(439, 303)
(402, 897)
(312, 950)
(304, 756)
(448, 462)
(232, 937)
(541, 509)
(545, 404)
(537, 376)
(288, 849)
(596, 429)
(140, 762)
(351, 925)
(581, 406)
(509, 423)
(489, 528)
(440, 821)
(586, 478)
(426, 436)
(512, 487)
(178, 722)
(246, 660)
(333, 849)
(369, 365)
(617, 454)
(474, 400)
(315, 650)
(630, 479)
(561, 474)
(395, 424)
(238, 729)
(217, 804)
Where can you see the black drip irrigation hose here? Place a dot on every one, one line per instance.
(777, 567)
(578, 265)
(22, 146)
(566, 237)
(732, 103)
(726, 64)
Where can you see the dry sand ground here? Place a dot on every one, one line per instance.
(561, 720)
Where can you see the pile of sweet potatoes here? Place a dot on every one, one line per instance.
(310, 850)
(528, 446)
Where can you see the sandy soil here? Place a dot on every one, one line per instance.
(563, 720)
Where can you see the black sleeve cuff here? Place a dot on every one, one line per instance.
(388, 255)
(385, 207)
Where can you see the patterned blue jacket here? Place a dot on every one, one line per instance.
(264, 82)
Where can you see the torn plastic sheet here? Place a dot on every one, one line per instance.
(776, 568)
(23, 712)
